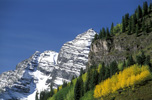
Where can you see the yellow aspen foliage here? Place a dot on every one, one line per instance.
(130, 76)
(60, 87)
(55, 91)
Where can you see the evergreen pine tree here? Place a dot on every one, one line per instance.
(72, 79)
(78, 90)
(42, 94)
(141, 58)
(136, 11)
(111, 30)
(107, 73)
(58, 89)
(113, 68)
(126, 20)
(96, 37)
(150, 8)
(134, 19)
(123, 24)
(64, 84)
(103, 32)
(77, 94)
(94, 79)
(46, 95)
(124, 64)
(107, 33)
(36, 96)
(100, 35)
(87, 83)
(130, 61)
(147, 60)
(81, 71)
(139, 14)
(130, 26)
(88, 80)
(145, 8)
(81, 87)
(51, 90)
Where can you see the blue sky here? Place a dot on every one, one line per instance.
(27, 26)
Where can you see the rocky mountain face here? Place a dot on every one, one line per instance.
(74, 54)
(119, 47)
(42, 69)
(31, 75)
(21, 80)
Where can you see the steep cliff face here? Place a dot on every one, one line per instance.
(41, 70)
(118, 48)
(74, 54)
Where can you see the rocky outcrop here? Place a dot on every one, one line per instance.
(118, 48)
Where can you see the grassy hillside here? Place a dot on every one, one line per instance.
(67, 93)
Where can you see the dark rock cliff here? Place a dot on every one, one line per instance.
(119, 47)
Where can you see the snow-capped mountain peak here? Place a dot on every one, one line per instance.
(41, 70)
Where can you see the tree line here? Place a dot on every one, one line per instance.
(133, 24)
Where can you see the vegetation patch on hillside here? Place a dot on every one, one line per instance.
(129, 77)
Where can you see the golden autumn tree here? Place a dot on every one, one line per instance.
(128, 77)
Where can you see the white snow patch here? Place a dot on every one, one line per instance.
(40, 80)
